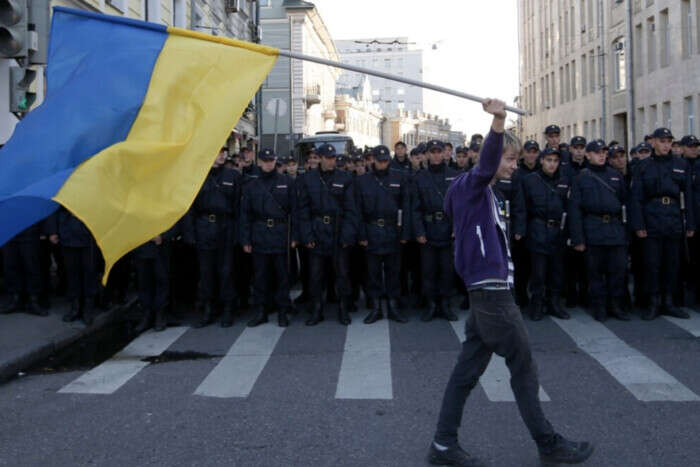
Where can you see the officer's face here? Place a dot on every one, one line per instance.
(530, 156)
(292, 168)
(690, 152)
(415, 161)
(400, 151)
(677, 149)
(360, 169)
(618, 160)
(462, 160)
(550, 164)
(436, 156)
(662, 145)
(447, 154)
(220, 158)
(328, 163)
(643, 154)
(473, 156)
(248, 157)
(553, 139)
(597, 158)
(509, 162)
(313, 160)
(268, 166)
(578, 152)
(381, 165)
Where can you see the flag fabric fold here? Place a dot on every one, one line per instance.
(134, 115)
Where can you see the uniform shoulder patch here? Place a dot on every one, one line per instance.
(395, 185)
(680, 171)
(281, 186)
(338, 185)
(227, 183)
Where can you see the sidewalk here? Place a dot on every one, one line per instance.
(27, 339)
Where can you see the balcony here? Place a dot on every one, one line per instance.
(312, 95)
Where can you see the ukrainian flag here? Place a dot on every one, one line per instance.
(134, 116)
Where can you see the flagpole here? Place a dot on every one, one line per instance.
(401, 79)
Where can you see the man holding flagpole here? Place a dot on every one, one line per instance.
(495, 325)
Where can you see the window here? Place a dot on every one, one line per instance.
(573, 79)
(619, 68)
(641, 123)
(120, 5)
(665, 38)
(151, 11)
(401, 91)
(638, 50)
(686, 28)
(265, 3)
(387, 63)
(689, 111)
(387, 91)
(653, 118)
(584, 73)
(567, 82)
(591, 71)
(651, 45)
(554, 91)
(585, 130)
(666, 111)
(561, 85)
(179, 14)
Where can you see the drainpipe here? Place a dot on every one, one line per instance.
(258, 95)
(603, 82)
(629, 60)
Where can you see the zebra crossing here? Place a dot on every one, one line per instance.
(365, 371)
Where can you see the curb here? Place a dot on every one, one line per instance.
(10, 368)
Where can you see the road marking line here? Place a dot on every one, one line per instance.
(496, 379)
(239, 369)
(638, 374)
(691, 325)
(115, 372)
(365, 372)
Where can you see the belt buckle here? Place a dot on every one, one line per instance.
(438, 216)
(212, 218)
(606, 218)
(429, 218)
(665, 200)
(380, 222)
(551, 223)
(326, 219)
(270, 223)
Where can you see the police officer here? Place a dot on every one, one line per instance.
(552, 134)
(539, 207)
(243, 261)
(384, 204)
(79, 254)
(597, 214)
(416, 159)
(358, 254)
(576, 288)
(211, 226)
(400, 160)
(473, 154)
(462, 159)
(328, 227)
(691, 150)
(636, 244)
(268, 229)
(661, 193)
(22, 272)
(433, 231)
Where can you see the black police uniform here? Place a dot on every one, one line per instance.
(596, 215)
(636, 244)
(429, 220)
(243, 260)
(411, 276)
(692, 276)
(328, 219)
(358, 262)
(384, 207)
(269, 225)
(659, 185)
(538, 215)
(211, 225)
(22, 271)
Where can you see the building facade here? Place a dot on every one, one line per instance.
(612, 69)
(414, 127)
(391, 55)
(357, 115)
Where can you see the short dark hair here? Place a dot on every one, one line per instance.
(399, 143)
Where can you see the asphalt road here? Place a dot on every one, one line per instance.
(363, 396)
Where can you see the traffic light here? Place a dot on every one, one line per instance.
(39, 29)
(14, 35)
(21, 98)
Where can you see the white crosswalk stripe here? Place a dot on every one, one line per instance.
(115, 372)
(637, 373)
(496, 379)
(691, 325)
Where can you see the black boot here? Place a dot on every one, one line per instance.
(430, 312)
(88, 312)
(369, 303)
(33, 307)
(260, 317)
(654, 308)
(316, 313)
(570, 300)
(393, 313)
(375, 313)
(465, 303)
(205, 315)
(452, 456)
(560, 450)
(616, 310)
(74, 312)
(161, 320)
(555, 308)
(227, 316)
(13, 306)
(344, 311)
(537, 311)
(422, 302)
(145, 322)
(668, 309)
(599, 312)
(282, 320)
(445, 311)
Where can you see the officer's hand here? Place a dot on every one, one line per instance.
(294, 244)
(690, 233)
(311, 245)
(363, 243)
(580, 247)
(641, 233)
(158, 240)
(53, 239)
(248, 248)
(518, 236)
(403, 242)
(495, 107)
(345, 245)
(422, 240)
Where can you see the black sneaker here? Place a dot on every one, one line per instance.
(560, 450)
(452, 456)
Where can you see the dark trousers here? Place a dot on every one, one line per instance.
(243, 274)
(576, 275)
(21, 265)
(522, 269)
(389, 284)
(641, 294)
(270, 269)
(153, 280)
(495, 325)
(662, 264)
(81, 272)
(215, 275)
(437, 268)
(547, 275)
(411, 278)
(358, 270)
(318, 272)
(304, 271)
(606, 273)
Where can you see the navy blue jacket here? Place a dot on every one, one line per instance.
(538, 210)
(327, 210)
(657, 184)
(70, 230)
(695, 176)
(381, 195)
(427, 199)
(595, 208)
(150, 250)
(403, 167)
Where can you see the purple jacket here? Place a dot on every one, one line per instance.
(480, 250)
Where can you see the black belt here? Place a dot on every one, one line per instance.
(606, 218)
(213, 218)
(381, 221)
(271, 222)
(665, 199)
(326, 219)
(549, 222)
(437, 216)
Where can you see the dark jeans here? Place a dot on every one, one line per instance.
(495, 325)
(437, 266)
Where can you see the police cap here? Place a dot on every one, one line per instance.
(552, 129)
(421, 148)
(475, 136)
(267, 155)
(549, 151)
(326, 150)
(633, 150)
(596, 146)
(475, 147)
(662, 133)
(341, 160)
(531, 144)
(614, 150)
(381, 153)
(434, 144)
(578, 141)
(641, 147)
(460, 150)
(690, 141)
(414, 152)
